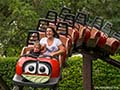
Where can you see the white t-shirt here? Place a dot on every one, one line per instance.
(51, 48)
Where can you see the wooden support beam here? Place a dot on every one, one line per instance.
(87, 71)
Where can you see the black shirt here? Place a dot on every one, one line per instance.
(35, 53)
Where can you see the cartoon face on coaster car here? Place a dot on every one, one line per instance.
(32, 70)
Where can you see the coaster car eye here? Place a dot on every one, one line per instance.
(30, 67)
(44, 68)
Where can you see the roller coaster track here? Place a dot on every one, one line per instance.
(88, 57)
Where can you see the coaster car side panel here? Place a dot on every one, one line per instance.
(112, 45)
(81, 20)
(105, 33)
(84, 35)
(95, 26)
(62, 29)
(102, 40)
(94, 37)
(70, 19)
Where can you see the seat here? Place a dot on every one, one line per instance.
(33, 36)
(62, 30)
(52, 17)
(94, 37)
(95, 32)
(43, 24)
(72, 30)
(63, 12)
(81, 20)
(112, 44)
(105, 33)
(26, 50)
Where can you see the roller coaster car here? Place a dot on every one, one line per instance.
(62, 30)
(105, 33)
(112, 44)
(72, 30)
(37, 72)
(95, 34)
(81, 20)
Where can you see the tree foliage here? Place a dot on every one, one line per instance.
(19, 16)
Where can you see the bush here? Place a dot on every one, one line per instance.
(7, 69)
(104, 75)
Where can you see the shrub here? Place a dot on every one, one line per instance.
(104, 75)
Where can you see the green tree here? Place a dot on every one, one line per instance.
(17, 18)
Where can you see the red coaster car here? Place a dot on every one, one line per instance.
(81, 20)
(36, 72)
(112, 44)
(95, 33)
(108, 43)
(72, 30)
(105, 33)
(62, 30)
